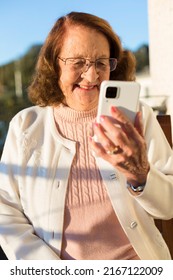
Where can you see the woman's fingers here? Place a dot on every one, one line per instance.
(114, 155)
(115, 134)
(102, 137)
(121, 143)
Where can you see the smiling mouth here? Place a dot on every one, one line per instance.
(86, 87)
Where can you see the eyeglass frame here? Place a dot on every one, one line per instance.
(90, 62)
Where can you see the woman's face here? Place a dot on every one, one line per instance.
(81, 89)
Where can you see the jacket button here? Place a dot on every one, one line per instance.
(133, 224)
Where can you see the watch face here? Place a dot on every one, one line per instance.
(136, 189)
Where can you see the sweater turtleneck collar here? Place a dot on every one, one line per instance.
(70, 115)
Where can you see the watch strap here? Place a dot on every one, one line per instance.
(136, 189)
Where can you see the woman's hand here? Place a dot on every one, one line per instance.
(122, 144)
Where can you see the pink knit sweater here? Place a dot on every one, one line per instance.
(91, 228)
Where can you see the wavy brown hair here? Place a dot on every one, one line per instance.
(44, 89)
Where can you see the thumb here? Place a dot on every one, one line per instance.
(139, 123)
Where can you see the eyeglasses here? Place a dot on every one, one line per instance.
(83, 64)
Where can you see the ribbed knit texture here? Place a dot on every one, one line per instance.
(91, 228)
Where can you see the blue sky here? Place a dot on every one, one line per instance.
(24, 23)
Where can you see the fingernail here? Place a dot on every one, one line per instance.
(140, 114)
(114, 109)
(102, 118)
(96, 124)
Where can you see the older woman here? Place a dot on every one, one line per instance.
(58, 199)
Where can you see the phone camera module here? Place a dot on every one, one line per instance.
(111, 92)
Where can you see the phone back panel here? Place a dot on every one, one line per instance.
(127, 99)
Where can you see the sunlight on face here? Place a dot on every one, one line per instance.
(81, 90)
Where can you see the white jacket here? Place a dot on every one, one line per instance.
(34, 173)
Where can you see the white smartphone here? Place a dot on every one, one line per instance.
(122, 94)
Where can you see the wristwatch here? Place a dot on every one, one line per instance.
(136, 189)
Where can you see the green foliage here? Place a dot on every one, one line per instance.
(10, 106)
(142, 58)
(7, 77)
(25, 65)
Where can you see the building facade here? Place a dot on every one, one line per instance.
(160, 22)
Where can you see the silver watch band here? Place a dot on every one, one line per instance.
(136, 189)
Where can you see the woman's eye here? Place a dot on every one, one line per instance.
(79, 62)
(102, 62)
(101, 65)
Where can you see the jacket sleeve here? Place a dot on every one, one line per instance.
(157, 196)
(17, 235)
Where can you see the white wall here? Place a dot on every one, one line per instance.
(160, 21)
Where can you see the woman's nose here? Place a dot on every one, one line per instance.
(91, 73)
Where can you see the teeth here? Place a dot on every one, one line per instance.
(86, 87)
